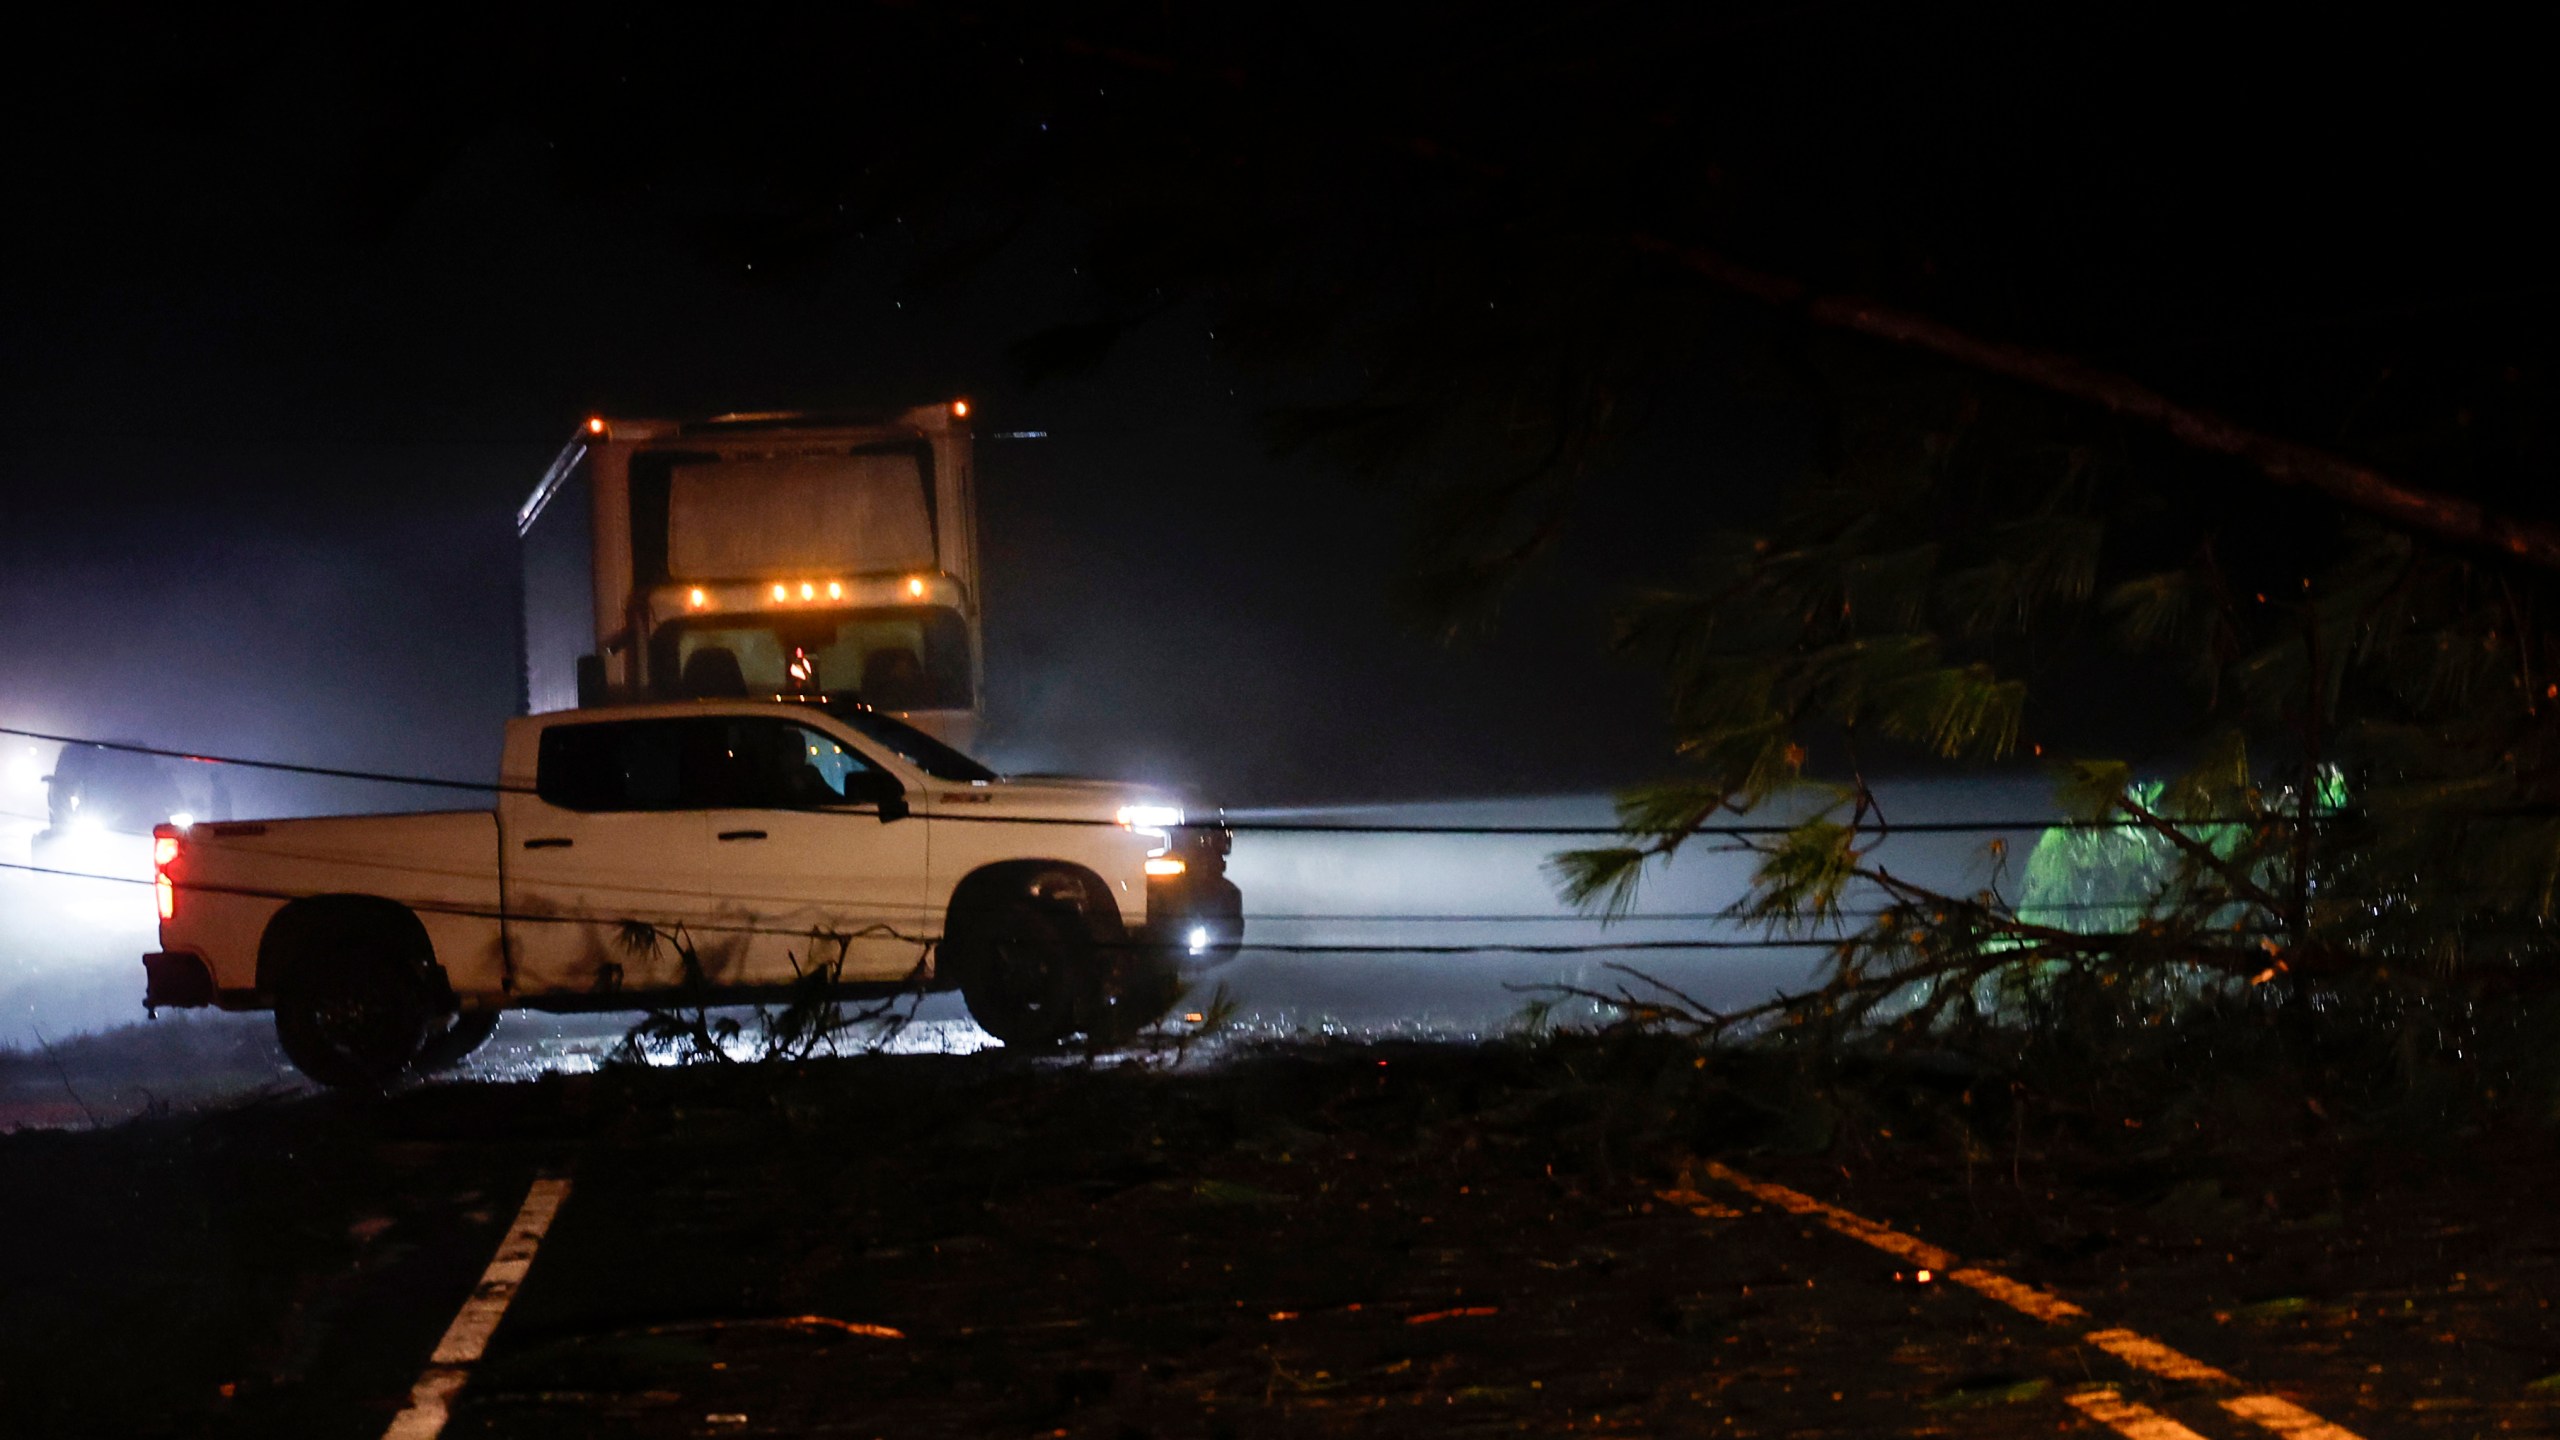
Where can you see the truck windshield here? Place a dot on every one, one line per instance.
(912, 657)
(912, 745)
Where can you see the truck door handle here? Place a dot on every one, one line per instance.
(741, 834)
(556, 842)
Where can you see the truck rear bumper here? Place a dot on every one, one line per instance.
(176, 980)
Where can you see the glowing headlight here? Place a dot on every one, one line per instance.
(1164, 867)
(1150, 817)
(1199, 938)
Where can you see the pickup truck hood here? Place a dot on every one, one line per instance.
(1042, 797)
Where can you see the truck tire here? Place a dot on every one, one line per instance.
(1130, 987)
(352, 1009)
(456, 1042)
(1019, 961)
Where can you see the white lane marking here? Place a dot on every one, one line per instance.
(2285, 1418)
(2270, 1412)
(431, 1399)
(2026, 1299)
(2144, 1353)
(2132, 1421)
(430, 1405)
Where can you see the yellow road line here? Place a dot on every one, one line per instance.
(431, 1399)
(2132, 1421)
(1856, 1227)
(2269, 1412)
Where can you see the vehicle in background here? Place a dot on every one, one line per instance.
(698, 852)
(764, 555)
(101, 805)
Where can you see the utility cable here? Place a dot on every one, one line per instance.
(1265, 827)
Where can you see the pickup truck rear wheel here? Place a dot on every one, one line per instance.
(353, 1014)
(1019, 961)
(457, 1041)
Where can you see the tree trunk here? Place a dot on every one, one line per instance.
(2358, 487)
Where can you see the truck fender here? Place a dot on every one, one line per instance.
(1054, 881)
(309, 925)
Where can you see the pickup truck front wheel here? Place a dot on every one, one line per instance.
(354, 1016)
(1018, 962)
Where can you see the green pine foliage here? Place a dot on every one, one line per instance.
(2363, 777)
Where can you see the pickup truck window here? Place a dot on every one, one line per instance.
(709, 763)
(615, 765)
(767, 764)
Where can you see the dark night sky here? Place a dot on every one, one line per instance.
(294, 315)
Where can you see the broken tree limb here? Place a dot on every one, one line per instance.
(2358, 487)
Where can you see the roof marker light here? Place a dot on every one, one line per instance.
(696, 598)
(835, 589)
(960, 409)
(595, 424)
(915, 586)
(808, 591)
(780, 593)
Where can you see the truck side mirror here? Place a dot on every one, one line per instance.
(885, 791)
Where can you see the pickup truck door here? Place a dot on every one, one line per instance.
(610, 842)
(803, 863)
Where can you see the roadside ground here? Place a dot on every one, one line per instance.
(1356, 1240)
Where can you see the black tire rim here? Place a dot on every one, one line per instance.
(1026, 979)
(373, 1028)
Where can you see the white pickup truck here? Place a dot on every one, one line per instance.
(758, 839)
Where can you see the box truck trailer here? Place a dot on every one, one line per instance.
(759, 555)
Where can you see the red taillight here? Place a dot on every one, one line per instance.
(165, 849)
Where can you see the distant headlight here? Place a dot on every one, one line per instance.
(1150, 817)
